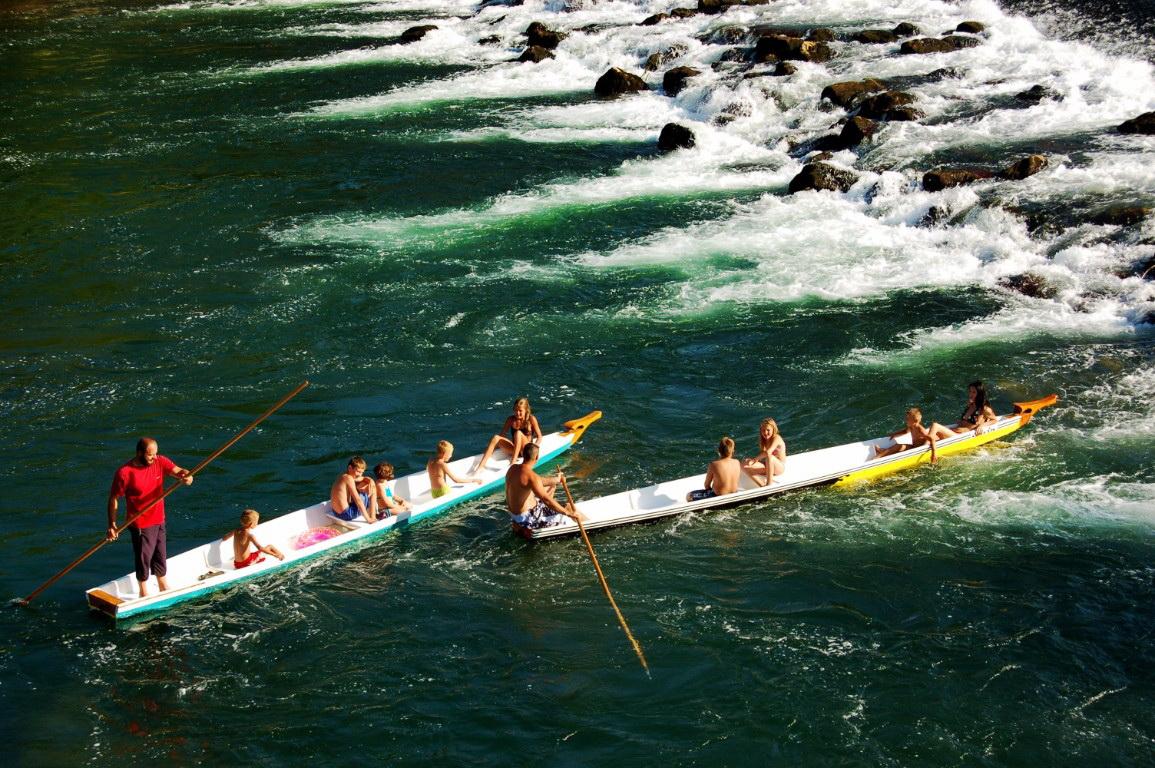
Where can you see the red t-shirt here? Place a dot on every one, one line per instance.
(139, 486)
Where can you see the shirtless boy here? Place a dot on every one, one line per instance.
(243, 538)
(351, 494)
(529, 496)
(919, 436)
(438, 469)
(722, 475)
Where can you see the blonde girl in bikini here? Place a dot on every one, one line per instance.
(771, 459)
(523, 429)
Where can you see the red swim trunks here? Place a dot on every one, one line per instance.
(254, 557)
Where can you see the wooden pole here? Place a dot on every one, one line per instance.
(129, 521)
(602, 578)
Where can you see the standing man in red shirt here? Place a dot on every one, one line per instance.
(141, 482)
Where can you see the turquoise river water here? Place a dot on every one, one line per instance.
(204, 203)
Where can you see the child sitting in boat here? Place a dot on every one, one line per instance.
(919, 436)
(722, 475)
(387, 502)
(243, 539)
(438, 469)
(523, 429)
(978, 414)
(772, 459)
(353, 494)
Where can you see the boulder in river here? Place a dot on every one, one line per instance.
(1030, 284)
(1021, 169)
(674, 136)
(675, 79)
(539, 34)
(535, 54)
(1035, 94)
(937, 44)
(784, 69)
(650, 21)
(905, 29)
(877, 106)
(413, 34)
(822, 176)
(1144, 123)
(847, 92)
(874, 36)
(616, 82)
(1121, 216)
(782, 48)
(971, 27)
(942, 178)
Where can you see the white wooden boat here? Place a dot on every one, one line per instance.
(840, 464)
(310, 532)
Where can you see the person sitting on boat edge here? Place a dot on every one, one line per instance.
(772, 458)
(352, 493)
(919, 436)
(978, 413)
(529, 496)
(243, 538)
(722, 475)
(388, 502)
(438, 469)
(523, 428)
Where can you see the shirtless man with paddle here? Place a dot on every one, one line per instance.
(529, 496)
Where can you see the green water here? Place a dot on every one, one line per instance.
(188, 236)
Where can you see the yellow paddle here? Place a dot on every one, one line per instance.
(129, 521)
(602, 578)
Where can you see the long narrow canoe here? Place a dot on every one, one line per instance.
(311, 532)
(837, 465)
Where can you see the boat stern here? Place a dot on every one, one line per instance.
(103, 602)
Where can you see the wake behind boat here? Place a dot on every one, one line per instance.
(836, 465)
(313, 531)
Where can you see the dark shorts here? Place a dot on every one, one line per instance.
(148, 551)
(705, 493)
(539, 516)
(352, 513)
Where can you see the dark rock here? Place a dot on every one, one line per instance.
(535, 54)
(1144, 124)
(941, 178)
(413, 34)
(683, 13)
(1121, 216)
(906, 29)
(783, 48)
(847, 92)
(675, 136)
(1021, 169)
(736, 55)
(818, 158)
(539, 34)
(784, 69)
(725, 36)
(874, 36)
(1035, 94)
(902, 115)
(857, 130)
(715, 6)
(937, 44)
(971, 27)
(491, 40)
(1029, 284)
(934, 216)
(1144, 268)
(675, 79)
(616, 81)
(876, 107)
(657, 18)
(822, 176)
(655, 60)
(822, 35)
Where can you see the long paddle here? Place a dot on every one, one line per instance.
(129, 521)
(602, 578)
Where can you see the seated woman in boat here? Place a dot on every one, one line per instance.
(243, 539)
(919, 436)
(387, 502)
(978, 414)
(722, 475)
(523, 429)
(772, 457)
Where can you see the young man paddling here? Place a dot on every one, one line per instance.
(141, 482)
(529, 496)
